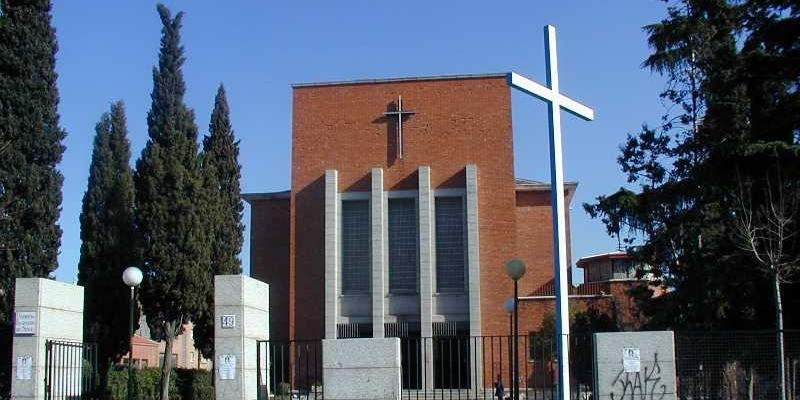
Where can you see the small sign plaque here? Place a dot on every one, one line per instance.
(631, 359)
(227, 367)
(25, 323)
(24, 366)
(228, 321)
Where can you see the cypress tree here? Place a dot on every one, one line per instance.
(107, 235)
(221, 172)
(170, 204)
(30, 149)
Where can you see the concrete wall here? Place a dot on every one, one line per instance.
(269, 257)
(355, 369)
(58, 310)
(620, 374)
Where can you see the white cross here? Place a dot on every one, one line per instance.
(400, 113)
(555, 102)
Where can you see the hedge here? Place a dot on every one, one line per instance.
(184, 384)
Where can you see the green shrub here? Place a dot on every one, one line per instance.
(194, 384)
(145, 384)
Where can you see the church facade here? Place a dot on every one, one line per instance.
(402, 212)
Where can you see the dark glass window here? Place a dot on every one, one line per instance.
(403, 241)
(450, 256)
(355, 246)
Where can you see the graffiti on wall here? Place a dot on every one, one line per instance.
(642, 385)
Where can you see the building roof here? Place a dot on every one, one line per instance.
(614, 255)
(250, 197)
(522, 185)
(401, 79)
(536, 186)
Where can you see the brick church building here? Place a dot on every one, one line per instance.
(402, 213)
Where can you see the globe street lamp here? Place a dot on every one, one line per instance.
(132, 277)
(515, 269)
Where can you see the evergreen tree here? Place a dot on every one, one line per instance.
(733, 73)
(108, 236)
(221, 171)
(30, 149)
(170, 205)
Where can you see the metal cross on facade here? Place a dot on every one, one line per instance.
(555, 102)
(400, 113)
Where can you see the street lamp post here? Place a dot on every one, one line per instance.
(515, 269)
(132, 277)
(510, 306)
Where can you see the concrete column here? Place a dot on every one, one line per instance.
(426, 268)
(241, 318)
(378, 210)
(46, 310)
(473, 266)
(332, 206)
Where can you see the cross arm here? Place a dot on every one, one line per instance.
(526, 85)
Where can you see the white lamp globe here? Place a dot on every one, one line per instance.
(509, 305)
(515, 269)
(132, 276)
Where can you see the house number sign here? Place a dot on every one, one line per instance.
(228, 321)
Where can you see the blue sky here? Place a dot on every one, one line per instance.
(107, 50)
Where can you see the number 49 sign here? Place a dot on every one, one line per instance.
(228, 321)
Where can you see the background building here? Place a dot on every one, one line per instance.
(148, 353)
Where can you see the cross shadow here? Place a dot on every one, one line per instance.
(391, 133)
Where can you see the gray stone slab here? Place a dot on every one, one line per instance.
(651, 378)
(474, 265)
(378, 207)
(331, 252)
(355, 369)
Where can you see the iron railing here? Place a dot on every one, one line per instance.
(445, 367)
(70, 370)
(712, 365)
(733, 365)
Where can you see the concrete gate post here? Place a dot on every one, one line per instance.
(45, 310)
(241, 313)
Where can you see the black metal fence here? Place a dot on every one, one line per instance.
(289, 369)
(447, 367)
(733, 365)
(70, 371)
(714, 365)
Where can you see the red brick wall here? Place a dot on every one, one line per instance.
(269, 258)
(457, 122)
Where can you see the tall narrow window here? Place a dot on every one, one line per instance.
(450, 257)
(355, 247)
(403, 241)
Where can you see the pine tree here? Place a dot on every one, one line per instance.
(108, 236)
(733, 72)
(221, 171)
(170, 204)
(30, 148)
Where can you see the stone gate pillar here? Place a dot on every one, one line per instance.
(45, 310)
(241, 319)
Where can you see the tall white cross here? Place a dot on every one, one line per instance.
(555, 102)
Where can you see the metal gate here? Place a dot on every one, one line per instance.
(70, 370)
